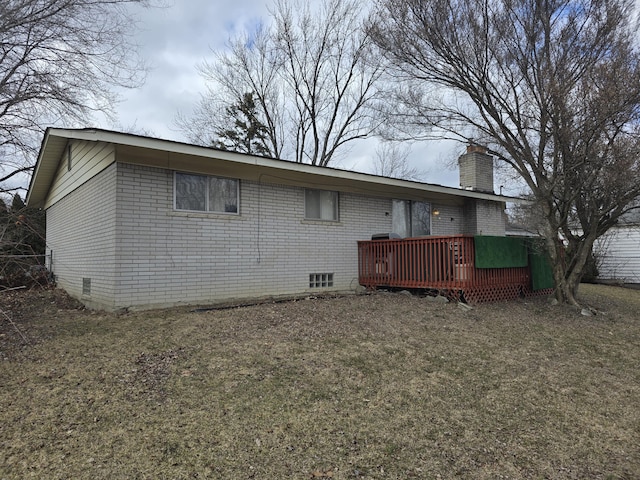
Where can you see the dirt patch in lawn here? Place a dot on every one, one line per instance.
(375, 386)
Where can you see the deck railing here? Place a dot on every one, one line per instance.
(443, 263)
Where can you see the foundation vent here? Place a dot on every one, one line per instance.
(86, 286)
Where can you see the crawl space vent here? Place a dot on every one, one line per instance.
(86, 286)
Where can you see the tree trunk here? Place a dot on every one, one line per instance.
(568, 266)
(566, 292)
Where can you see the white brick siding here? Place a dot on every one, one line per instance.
(476, 171)
(81, 239)
(484, 217)
(165, 257)
(120, 230)
(490, 218)
(450, 220)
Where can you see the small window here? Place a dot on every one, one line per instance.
(321, 205)
(320, 280)
(206, 194)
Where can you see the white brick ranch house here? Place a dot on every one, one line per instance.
(138, 222)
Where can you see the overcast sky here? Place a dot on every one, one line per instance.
(174, 40)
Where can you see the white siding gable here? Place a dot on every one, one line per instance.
(87, 160)
(619, 253)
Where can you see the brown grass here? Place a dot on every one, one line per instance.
(376, 386)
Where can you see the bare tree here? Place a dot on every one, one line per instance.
(59, 61)
(311, 74)
(552, 87)
(250, 65)
(392, 160)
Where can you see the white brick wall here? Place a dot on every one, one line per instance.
(490, 218)
(81, 239)
(120, 230)
(450, 220)
(166, 257)
(484, 217)
(476, 171)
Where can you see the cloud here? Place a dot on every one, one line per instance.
(173, 41)
(176, 39)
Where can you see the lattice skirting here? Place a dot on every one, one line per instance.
(496, 293)
(493, 293)
(487, 294)
(530, 293)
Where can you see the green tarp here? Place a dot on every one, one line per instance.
(540, 266)
(506, 252)
(500, 252)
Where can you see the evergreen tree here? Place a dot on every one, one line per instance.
(4, 223)
(247, 133)
(17, 204)
(4, 212)
(22, 244)
(27, 228)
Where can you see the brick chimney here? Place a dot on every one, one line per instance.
(476, 169)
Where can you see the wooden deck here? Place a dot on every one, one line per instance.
(442, 263)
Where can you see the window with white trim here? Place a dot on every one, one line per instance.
(321, 205)
(204, 193)
(411, 219)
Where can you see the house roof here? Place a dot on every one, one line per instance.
(141, 150)
(516, 230)
(632, 217)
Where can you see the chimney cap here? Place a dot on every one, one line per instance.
(475, 148)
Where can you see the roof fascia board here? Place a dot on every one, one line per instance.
(170, 146)
(36, 168)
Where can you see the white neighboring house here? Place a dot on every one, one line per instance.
(139, 222)
(618, 251)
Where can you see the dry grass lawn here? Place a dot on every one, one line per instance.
(382, 386)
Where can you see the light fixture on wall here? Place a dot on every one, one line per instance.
(436, 212)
